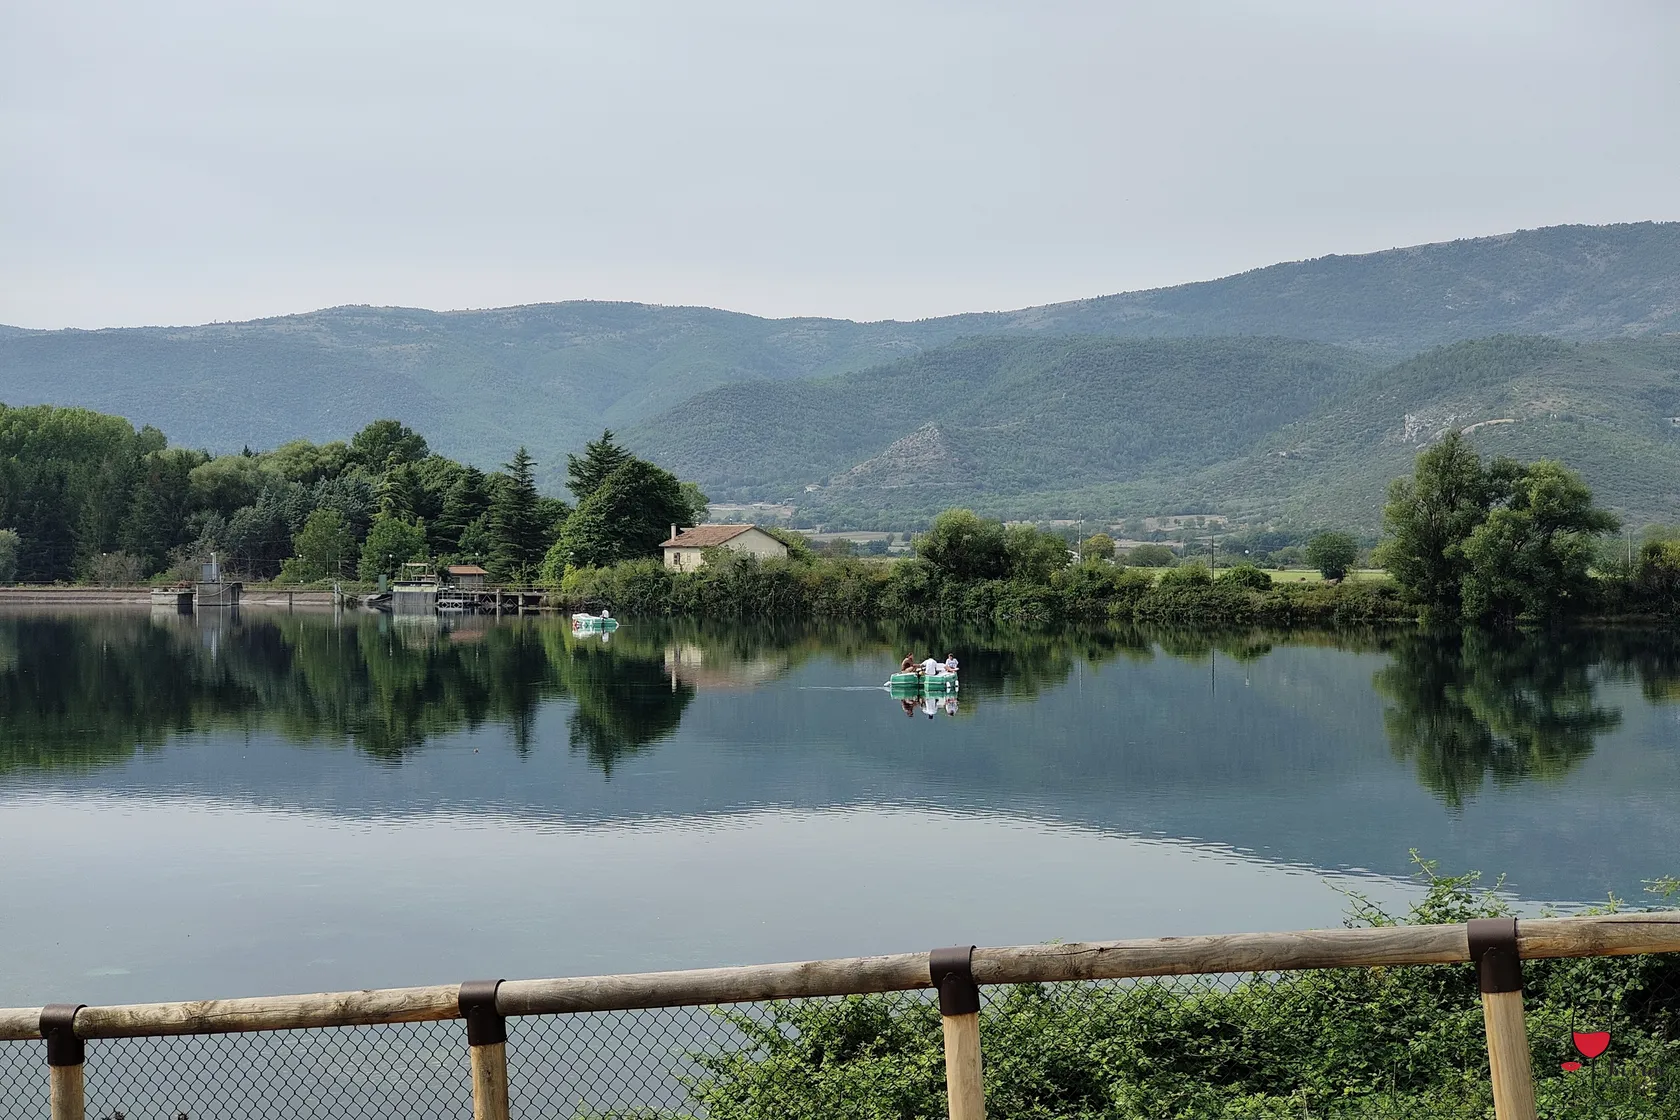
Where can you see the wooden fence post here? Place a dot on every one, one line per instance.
(1493, 948)
(959, 1010)
(487, 1039)
(66, 1056)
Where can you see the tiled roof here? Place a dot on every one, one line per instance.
(466, 570)
(707, 536)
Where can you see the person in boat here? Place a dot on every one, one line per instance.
(932, 668)
(951, 663)
(909, 664)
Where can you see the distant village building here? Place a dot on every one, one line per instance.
(465, 575)
(685, 551)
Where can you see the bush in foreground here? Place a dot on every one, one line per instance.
(1391, 1042)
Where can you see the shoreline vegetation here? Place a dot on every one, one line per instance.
(87, 499)
(808, 586)
(1396, 1042)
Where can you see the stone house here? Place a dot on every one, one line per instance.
(685, 550)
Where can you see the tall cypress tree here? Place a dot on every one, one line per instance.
(516, 529)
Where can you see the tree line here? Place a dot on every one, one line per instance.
(84, 496)
(87, 497)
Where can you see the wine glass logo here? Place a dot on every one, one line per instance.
(1589, 1044)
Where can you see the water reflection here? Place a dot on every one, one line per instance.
(687, 795)
(81, 690)
(78, 691)
(1472, 706)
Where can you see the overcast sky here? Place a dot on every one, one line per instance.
(173, 162)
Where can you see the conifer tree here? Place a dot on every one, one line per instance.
(468, 499)
(516, 528)
(600, 458)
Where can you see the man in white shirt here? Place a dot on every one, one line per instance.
(932, 668)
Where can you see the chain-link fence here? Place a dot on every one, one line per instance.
(404, 1069)
(1378, 1042)
(23, 1080)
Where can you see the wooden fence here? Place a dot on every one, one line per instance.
(1496, 946)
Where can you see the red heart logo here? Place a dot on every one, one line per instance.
(1592, 1043)
(1571, 1067)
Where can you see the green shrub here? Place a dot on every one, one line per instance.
(1186, 575)
(1199, 601)
(1151, 556)
(1101, 589)
(1385, 1042)
(1246, 575)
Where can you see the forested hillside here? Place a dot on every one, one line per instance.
(549, 375)
(1260, 429)
(1574, 282)
(1610, 410)
(1003, 416)
(546, 376)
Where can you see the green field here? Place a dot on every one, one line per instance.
(1312, 575)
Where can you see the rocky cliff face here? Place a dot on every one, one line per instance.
(923, 457)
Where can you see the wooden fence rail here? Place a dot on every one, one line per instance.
(1528, 939)
(1537, 938)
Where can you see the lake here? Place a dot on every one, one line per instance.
(274, 802)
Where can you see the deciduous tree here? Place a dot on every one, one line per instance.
(1332, 553)
(384, 440)
(323, 548)
(390, 544)
(1530, 556)
(1494, 541)
(1429, 517)
(963, 545)
(1098, 546)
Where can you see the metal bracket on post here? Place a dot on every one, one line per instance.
(485, 1024)
(487, 1043)
(58, 1027)
(1493, 950)
(65, 1057)
(953, 975)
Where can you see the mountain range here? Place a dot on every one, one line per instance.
(1293, 391)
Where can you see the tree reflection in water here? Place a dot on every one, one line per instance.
(1511, 706)
(77, 691)
(88, 689)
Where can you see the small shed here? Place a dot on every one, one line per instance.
(465, 575)
(686, 551)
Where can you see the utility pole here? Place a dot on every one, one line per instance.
(1213, 564)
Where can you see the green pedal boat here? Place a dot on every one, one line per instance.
(904, 685)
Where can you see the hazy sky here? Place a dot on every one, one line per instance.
(173, 162)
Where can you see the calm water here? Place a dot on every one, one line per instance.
(214, 807)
